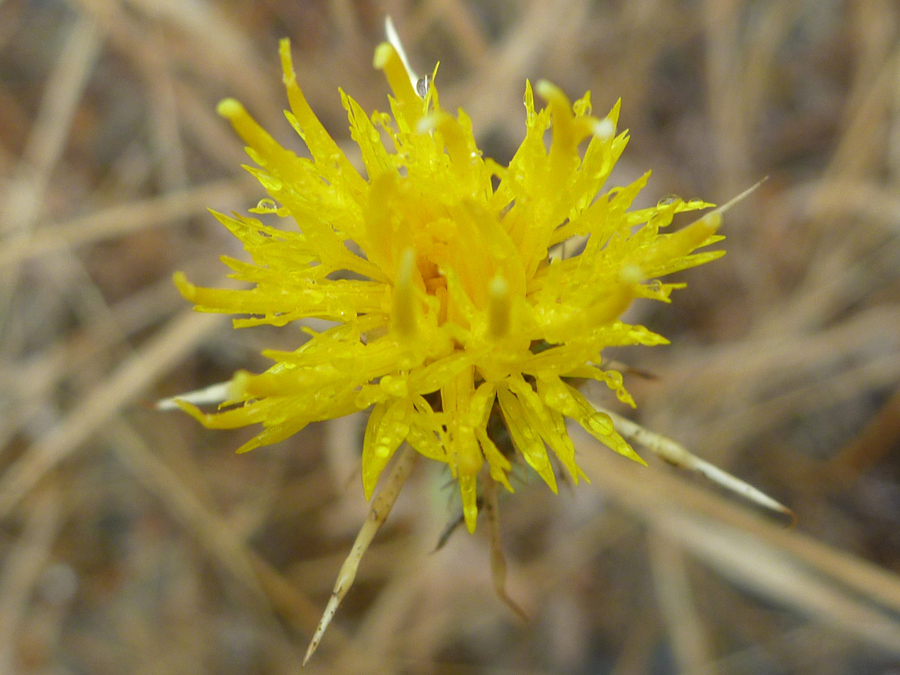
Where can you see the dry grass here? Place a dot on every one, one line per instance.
(133, 541)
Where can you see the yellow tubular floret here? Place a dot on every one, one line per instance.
(457, 145)
(185, 287)
(469, 461)
(388, 60)
(320, 143)
(525, 435)
(248, 129)
(388, 427)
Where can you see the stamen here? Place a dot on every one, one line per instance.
(604, 129)
(389, 61)
(499, 308)
(405, 311)
(229, 108)
(549, 91)
(245, 126)
(631, 274)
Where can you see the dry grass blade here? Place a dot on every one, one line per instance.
(23, 568)
(789, 568)
(122, 220)
(773, 573)
(23, 198)
(265, 586)
(225, 549)
(678, 606)
(878, 439)
(130, 379)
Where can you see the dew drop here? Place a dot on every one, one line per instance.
(395, 386)
(601, 423)
(366, 398)
(423, 85)
(312, 296)
(552, 398)
(667, 200)
(266, 206)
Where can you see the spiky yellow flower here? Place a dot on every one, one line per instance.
(462, 291)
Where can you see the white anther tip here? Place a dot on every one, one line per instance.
(604, 129)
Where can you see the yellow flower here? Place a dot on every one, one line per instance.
(462, 291)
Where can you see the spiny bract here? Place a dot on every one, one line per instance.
(460, 289)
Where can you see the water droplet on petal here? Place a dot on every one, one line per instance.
(423, 85)
(667, 200)
(266, 206)
(395, 386)
(601, 423)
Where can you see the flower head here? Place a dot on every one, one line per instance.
(462, 292)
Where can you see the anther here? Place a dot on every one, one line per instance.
(604, 129)
(499, 307)
(404, 313)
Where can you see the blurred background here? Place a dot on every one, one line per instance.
(135, 541)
